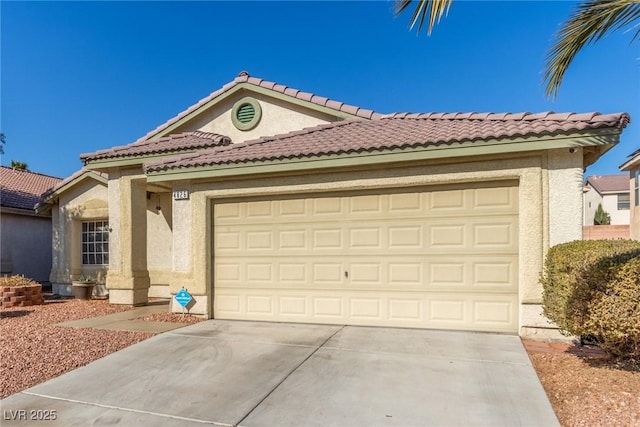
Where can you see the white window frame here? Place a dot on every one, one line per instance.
(94, 244)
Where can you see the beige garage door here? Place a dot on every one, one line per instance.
(442, 257)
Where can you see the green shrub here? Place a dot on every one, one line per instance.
(578, 275)
(601, 217)
(614, 313)
(16, 281)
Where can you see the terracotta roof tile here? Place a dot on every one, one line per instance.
(21, 189)
(397, 131)
(609, 183)
(244, 77)
(170, 144)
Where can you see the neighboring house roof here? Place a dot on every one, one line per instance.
(606, 184)
(397, 131)
(21, 189)
(187, 141)
(632, 161)
(244, 80)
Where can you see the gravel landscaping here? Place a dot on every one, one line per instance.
(587, 389)
(584, 387)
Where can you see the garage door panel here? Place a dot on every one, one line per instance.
(410, 272)
(496, 198)
(497, 235)
(405, 237)
(329, 309)
(418, 310)
(256, 240)
(327, 238)
(368, 309)
(447, 200)
(447, 236)
(292, 239)
(296, 208)
(259, 209)
(411, 203)
(445, 274)
(365, 205)
(404, 273)
(327, 207)
(491, 312)
(447, 311)
(446, 258)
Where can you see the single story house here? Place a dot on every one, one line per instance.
(268, 203)
(25, 235)
(632, 165)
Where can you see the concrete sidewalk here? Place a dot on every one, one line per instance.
(270, 374)
(126, 320)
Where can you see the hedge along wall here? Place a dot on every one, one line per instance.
(593, 288)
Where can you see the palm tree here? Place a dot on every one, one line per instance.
(431, 9)
(591, 20)
(19, 165)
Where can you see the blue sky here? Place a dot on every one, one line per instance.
(82, 76)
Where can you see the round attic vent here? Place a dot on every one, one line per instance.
(246, 113)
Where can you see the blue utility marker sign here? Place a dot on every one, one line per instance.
(183, 297)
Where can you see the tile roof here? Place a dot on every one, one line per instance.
(398, 130)
(609, 183)
(21, 189)
(633, 160)
(77, 174)
(244, 77)
(174, 143)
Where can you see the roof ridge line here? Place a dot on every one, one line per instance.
(244, 78)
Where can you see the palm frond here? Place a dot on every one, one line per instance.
(430, 10)
(592, 20)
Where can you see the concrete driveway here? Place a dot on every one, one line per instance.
(272, 374)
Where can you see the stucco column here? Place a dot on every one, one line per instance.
(128, 277)
(61, 239)
(565, 195)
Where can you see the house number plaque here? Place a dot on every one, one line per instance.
(181, 195)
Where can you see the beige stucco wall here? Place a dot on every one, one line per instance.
(26, 245)
(160, 243)
(549, 185)
(277, 117)
(152, 229)
(159, 233)
(85, 201)
(565, 195)
(128, 275)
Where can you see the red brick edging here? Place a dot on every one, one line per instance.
(20, 296)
